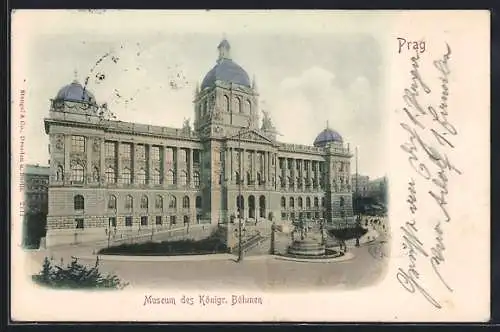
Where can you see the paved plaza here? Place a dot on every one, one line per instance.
(258, 271)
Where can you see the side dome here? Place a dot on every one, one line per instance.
(75, 92)
(226, 69)
(326, 136)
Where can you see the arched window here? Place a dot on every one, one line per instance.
(249, 178)
(308, 202)
(183, 178)
(248, 106)
(60, 173)
(144, 202)
(237, 177)
(316, 202)
(196, 179)
(156, 176)
(170, 177)
(300, 202)
(159, 202)
(129, 202)
(172, 203)
(227, 105)
(112, 202)
(283, 202)
(77, 173)
(292, 202)
(126, 176)
(238, 105)
(185, 202)
(79, 202)
(342, 201)
(259, 178)
(198, 202)
(110, 175)
(95, 174)
(322, 202)
(141, 176)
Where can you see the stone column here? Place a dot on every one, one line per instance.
(285, 173)
(254, 167)
(88, 151)
(133, 171)
(102, 163)
(149, 165)
(118, 161)
(190, 172)
(177, 165)
(294, 174)
(243, 167)
(67, 161)
(164, 167)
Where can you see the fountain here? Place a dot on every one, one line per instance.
(309, 247)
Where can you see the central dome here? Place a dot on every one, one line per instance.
(75, 92)
(326, 136)
(226, 69)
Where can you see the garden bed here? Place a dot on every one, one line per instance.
(213, 244)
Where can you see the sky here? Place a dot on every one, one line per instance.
(151, 63)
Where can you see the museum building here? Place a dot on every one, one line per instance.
(113, 175)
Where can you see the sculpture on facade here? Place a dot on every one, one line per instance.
(267, 124)
(186, 127)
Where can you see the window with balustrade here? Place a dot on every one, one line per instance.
(110, 175)
(196, 179)
(185, 202)
(155, 177)
(78, 144)
(141, 176)
(126, 176)
(77, 173)
(110, 150)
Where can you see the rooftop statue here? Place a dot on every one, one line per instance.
(267, 124)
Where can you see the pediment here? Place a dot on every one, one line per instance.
(251, 136)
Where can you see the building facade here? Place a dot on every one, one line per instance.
(360, 184)
(108, 174)
(36, 185)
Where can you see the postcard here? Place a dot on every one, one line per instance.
(257, 166)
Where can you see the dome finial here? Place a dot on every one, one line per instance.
(75, 76)
(224, 49)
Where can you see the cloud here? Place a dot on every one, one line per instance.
(305, 102)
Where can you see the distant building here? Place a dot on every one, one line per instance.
(107, 174)
(36, 185)
(378, 189)
(360, 184)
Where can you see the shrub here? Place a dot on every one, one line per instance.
(213, 244)
(76, 275)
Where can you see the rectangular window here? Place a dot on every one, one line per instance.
(140, 151)
(155, 153)
(158, 220)
(125, 151)
(128, 221)
(172, 220)
(170, 155)
(196, 156)
(110, 150)
(79, 222)
(144, 221)
(112, 221)
(78, 143)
